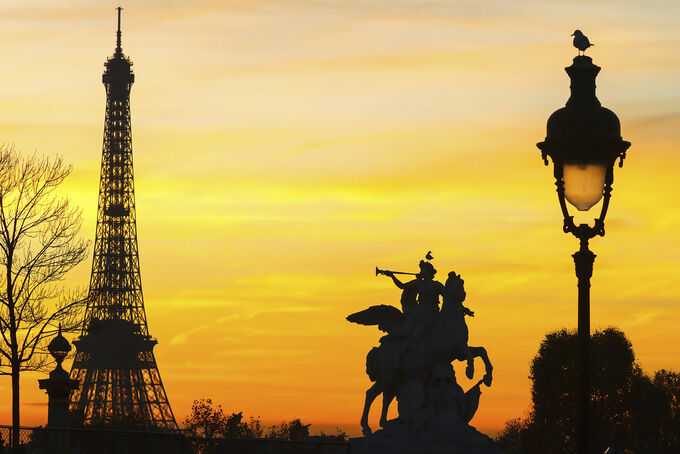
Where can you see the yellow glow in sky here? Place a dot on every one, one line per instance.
(283, 149)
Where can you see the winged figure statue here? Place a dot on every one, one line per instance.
(422, 341)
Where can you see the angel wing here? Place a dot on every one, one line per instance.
(388, 318)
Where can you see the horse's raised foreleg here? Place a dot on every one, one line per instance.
(388, 396)
(371, 393)
(488, 368)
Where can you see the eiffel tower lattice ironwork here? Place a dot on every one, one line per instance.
(120, 385)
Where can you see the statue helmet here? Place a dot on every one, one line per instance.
(427, 267)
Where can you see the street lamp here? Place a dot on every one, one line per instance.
(584, 142)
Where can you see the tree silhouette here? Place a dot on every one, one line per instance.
(209, 421)
(628, 409)
(205, 420)
(39, 244)
(669, 383)
(294, 430)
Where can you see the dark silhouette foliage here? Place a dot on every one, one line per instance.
(339, 435)
(294, 431)
(629, 410)
(208, 420)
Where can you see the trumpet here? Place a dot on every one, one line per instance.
(379, 271)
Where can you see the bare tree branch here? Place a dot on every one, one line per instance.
(39, 244)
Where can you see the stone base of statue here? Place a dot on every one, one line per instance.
(433, 419)
(369, 446)
(457, 439)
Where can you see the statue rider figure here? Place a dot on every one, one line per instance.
(420, 314)
(420, 305)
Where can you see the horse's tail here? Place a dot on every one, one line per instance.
(373, 364)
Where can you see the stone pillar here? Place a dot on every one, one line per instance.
(58, 388)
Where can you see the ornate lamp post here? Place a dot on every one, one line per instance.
(584, 142)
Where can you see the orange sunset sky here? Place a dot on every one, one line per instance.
(283, 149)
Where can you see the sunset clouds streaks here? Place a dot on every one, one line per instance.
(283, 149)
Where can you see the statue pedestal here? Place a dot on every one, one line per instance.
(451, 436)
(480, 444)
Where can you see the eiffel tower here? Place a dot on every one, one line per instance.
(120, 385)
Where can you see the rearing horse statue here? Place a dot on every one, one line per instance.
(401, 356)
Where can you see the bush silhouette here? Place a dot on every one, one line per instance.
(628, 410)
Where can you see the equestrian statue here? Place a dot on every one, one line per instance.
(413, 360)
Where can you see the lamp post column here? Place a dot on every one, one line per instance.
(583, 260)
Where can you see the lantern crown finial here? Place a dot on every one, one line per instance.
(582, 73)
(59, 347)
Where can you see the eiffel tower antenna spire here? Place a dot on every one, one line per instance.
(120, 385)
(119, 49)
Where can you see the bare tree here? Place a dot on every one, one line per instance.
(39, 244)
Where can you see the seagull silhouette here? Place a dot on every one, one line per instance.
(428, 256)
(581, 41)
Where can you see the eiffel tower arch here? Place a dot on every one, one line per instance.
(120, 385)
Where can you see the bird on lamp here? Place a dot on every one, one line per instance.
(581, 41)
